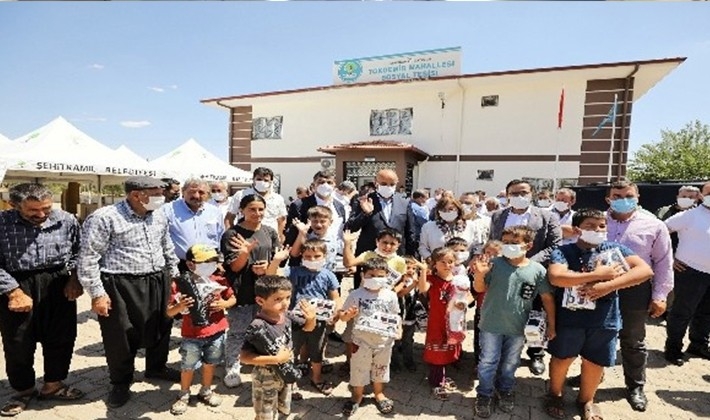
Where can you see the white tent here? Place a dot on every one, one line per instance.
(190, 160)
(129, 157)
(4, 141)
(60, 150)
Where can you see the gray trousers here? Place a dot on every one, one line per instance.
(239, 318)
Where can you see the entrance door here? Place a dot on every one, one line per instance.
(360, 173)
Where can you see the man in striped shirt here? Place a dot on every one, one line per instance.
(38, 291)
(126, 265)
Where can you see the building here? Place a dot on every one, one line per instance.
(463, 132)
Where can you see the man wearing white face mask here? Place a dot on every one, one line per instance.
(220, 197)
(324, 189)
(548, 236)
(275, 212)
(565, 198)
(377, 211)
(692, 281)
(126, 265)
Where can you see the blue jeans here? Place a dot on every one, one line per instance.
(500, 357)
(207, 350)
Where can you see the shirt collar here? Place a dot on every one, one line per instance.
(17, 219)
(184, 204)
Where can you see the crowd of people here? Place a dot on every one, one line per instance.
(258, 281)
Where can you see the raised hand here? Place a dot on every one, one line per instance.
(303, 228)
(309, 311)
(282, 253)
(482, 264)
(349, 237)
(366, 204)
(243, 246)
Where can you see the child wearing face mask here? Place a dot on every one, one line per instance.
(589, 333)
(311, 280)
(438, 352)
(203, 323)
(387, 242)
(511, 283)
(490, 250)
(374, 311)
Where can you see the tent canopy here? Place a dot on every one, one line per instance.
(190, 160)
(60, 150)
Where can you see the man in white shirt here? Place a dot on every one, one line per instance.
(275, 213)
(431, 201)
(565, 198)
(220, 197)
(692, 282)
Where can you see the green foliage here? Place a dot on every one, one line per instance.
(680, 155)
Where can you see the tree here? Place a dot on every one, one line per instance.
(679, 156)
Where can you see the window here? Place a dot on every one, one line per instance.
(388, 122)
(267, 128)
(485, 174)
(490, 100)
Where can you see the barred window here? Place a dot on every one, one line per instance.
(388, 122)
(267, 128)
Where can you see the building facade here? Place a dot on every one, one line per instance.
(465, 132)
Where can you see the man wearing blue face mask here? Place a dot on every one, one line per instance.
(548, 235)
(648, 238)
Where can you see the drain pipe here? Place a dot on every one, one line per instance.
(457, 174)
(624, 110)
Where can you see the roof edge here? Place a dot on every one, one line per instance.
(678, 60)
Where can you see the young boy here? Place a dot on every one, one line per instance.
(374, 309)
(491, 249)
(407, 294)
(510, 282)
(270, 393)
(311, 280)
(590, 333)
(387, 242)
(320, 220)
(203, 332)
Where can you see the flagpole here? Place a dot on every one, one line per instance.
(613, 135)
(560, 116)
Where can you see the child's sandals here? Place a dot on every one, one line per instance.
(440, 393)
(555, 406)
(449, 384)
(325, 388)
(385, 406)
(350, 408)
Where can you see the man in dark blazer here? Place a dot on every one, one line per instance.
(323, 188)
(376, 211)
(548, 235)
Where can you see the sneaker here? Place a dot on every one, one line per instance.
(506, 402)
(180, 405)
(484, 407)
(232, 378)
(210, 398)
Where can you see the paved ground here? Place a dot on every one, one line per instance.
(673, 392)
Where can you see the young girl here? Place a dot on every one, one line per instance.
(437, 352)
(247, 248)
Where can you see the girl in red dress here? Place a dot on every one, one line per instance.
(439, 290)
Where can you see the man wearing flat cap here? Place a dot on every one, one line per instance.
(126, 265)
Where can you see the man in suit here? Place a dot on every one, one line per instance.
(548, 235)
(323, 195)
(379, 210)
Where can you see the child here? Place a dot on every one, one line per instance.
(320, 220)
(407, 294)
(460, 248)
(311, 280)
(270, 393)
(203, 339)
(437, 351)
(373, 308)
(511, 283)
(590, 333)
(387, 242)
(490, 250)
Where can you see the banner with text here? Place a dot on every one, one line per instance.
(405, 66)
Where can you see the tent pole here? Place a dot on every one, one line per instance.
(101, 200)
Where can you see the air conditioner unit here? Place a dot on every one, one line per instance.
(327, 163)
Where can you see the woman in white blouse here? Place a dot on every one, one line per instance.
(449, 222)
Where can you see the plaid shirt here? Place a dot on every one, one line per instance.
(116, 240)
(25, 247)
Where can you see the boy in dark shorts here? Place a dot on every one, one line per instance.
(270, 392)
(588, 274)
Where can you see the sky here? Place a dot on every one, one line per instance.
(133, 73)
